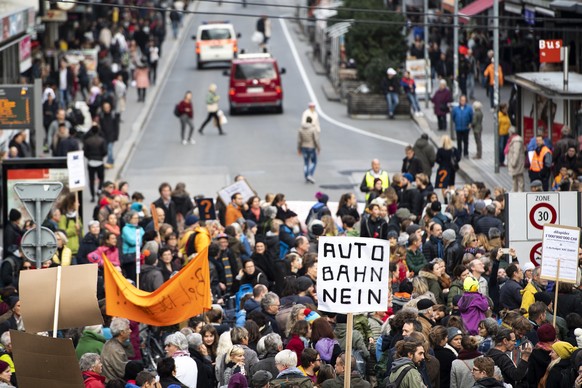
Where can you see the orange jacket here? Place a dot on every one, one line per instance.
(489, 73)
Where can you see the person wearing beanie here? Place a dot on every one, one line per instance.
(261, 379)
(487, 331)
(410, 164)
(557, 374)
(454, 336)
(13, 231)
(151, 275)
(540, 356)
(473, 306)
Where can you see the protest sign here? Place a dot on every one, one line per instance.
(242, 187)
(45, 362)
(183, 296)
(77, 307)
(76, 166)
(352, 274)
(206, 210)
(560, 243)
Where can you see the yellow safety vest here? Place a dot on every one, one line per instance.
(370, 181)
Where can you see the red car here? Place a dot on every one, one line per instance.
(255, 82)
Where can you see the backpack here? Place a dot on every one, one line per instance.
(315, 213)
(177, 110)
(398, 381)
(296, 382)
(190, 246)
(242, 291)
(360, 362)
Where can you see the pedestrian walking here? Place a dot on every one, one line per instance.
(212, 108)
(95, 149)
(120, 90)
(409, 87)
(175, 19)
(312, 113)
(153, 58)
(142, 80)
(504, 123)
(477, 127)
(264, 27)
(425, 152)
(515, 152)
(447, 158)
(441, 100)
(489, 74)
(471, 74)
(308, 146)
(109, 122)
(186, 115)
(462, 117)
(390, 87)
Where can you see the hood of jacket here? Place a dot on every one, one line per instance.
(147, 268)
(325, 347)
(489, 382)
(399, 362)
(428, 275)
(422, 143)
(291, 371)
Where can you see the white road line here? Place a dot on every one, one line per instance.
(313, 97)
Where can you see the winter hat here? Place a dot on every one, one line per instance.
(3, 366)
(392, 234)
(412, 228)
(546, 333)
(452, 332)
(191, 220)
(563, 349)
(316, 227)
(527, 267)
(321, 197)
(250, 224)
(543, 297)
(14, 215)
(480, 205)
(310, 315)
(136, 206)
(436, 206)
(449, 235)
(470, 284)
(403, 213)
(408, 177)
(150, 257)
(391, 71)
(535, 183)
(261, 378)
(302, 283)
(424, 304)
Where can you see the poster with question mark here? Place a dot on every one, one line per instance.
(206, 208)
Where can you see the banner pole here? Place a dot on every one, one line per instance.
(348, 354)
(57, 302)
(556, 294)
(77, 206)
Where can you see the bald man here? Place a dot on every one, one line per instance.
(375, 172)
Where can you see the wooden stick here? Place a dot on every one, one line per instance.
(155, 217)
(348, 354)
(77, 208)
(556, 294)
(57, 302)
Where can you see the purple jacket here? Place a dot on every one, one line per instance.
(325, 348)
(440, 99)
(472, 307)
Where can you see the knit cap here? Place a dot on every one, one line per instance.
(310, 315)
(563, 349)
(546, 333)
(449, 235)
(452, 332)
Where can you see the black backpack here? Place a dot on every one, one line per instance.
(177, 110)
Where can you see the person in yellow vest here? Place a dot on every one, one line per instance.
(375, 172)
(541, 162)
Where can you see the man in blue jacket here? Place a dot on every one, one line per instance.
(462, 117)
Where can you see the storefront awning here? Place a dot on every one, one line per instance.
(473, 9)
(567, 6)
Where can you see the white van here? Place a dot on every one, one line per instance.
(215, 42)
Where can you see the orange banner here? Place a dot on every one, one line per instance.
(183, 296)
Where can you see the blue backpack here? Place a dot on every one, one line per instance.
(242, 291)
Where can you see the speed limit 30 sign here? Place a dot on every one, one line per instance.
(542, 208)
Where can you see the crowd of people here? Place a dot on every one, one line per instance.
(463, 311)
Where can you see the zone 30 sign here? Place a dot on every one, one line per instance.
(527, 213)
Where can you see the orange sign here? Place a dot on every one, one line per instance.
(183, 296)
(550, 51)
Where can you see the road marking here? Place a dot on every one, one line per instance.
(313, 97)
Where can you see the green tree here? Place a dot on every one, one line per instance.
(374, 39)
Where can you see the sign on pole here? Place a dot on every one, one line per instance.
(352, 274)
(560, 243)
(550, 50)
(76, 166)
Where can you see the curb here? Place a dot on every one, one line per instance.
(128, 148)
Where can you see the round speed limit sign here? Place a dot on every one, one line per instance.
(541, 214)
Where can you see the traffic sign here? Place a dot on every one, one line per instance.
(550, 50)
(535, 254)
(48, 244)
(45, 193)
(542, 209)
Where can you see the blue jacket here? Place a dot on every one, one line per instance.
(462, 117)
(128, 236)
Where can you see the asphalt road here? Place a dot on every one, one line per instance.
(260, 146)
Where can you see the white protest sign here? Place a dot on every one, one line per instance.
(352, 274)
(242, 187)
(76, 167)
(560, 243)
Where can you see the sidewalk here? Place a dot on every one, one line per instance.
(471, 169)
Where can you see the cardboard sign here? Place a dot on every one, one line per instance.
(560, 242)
(241, 187)
(45, 362)
(352, 274)
(78, 302)
(76, 166)
(206, 209)
(550, 50)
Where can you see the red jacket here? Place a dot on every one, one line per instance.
(93, 380)
(185, 108)
(296, 344)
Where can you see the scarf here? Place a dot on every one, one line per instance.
(181, 353)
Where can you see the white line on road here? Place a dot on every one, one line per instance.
(313, 97)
